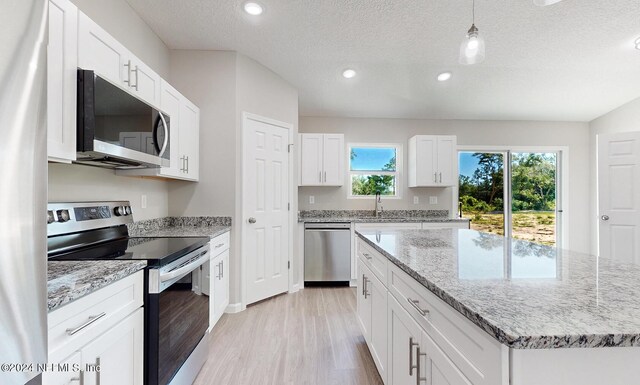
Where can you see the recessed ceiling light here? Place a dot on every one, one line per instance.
(443, 77)
(253, 9)
(544, 3)
(349, 73)
(637, 43)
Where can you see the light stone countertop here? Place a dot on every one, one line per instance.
(70, 280)
(367, 216)
(211, 231)
(526, 295)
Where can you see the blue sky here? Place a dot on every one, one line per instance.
(371, 158)
(467, 163)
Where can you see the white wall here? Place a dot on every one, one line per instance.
(224, 85)
(625, 118)
(470, 133)
(83, 183)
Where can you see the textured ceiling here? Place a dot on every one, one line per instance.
(572, 61)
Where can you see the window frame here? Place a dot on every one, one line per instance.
(398, 173)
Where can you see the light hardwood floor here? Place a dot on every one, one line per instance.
(310, 337)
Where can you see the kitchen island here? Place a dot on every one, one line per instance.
(539, 315)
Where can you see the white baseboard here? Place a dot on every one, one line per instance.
(233, 308)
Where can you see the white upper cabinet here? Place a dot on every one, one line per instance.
(189, 143)
(62, 63)
(321, 160)
(184, 127)
(102, 53)
(433, 161)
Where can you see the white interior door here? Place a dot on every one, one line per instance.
(619, 196)
(265, 209)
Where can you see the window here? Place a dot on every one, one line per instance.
(374, 168)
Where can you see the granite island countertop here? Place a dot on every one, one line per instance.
(367, 216)
(71, 280)
(526, 295)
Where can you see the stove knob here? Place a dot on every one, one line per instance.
(63, 216)
(120, 211)
(50, 218)
(127, 209)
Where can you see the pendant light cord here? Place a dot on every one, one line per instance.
(473, 12)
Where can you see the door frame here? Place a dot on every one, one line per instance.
(562, 183)
(292, 219)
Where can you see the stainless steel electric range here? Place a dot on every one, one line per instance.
(176, 308)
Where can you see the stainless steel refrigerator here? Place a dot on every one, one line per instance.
(23, 187)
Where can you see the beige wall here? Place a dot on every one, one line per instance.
(575, 136)
(224, 85)
(83, 183)
(625, 118)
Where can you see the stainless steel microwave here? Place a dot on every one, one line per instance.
(115, 129)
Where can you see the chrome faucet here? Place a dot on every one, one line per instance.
(378, 205)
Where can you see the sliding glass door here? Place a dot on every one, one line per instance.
(511, 192)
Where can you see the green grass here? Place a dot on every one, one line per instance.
(531, 226)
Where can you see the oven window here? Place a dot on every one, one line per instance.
(183, 321)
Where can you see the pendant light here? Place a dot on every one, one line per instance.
(472, 47)
(544, 3)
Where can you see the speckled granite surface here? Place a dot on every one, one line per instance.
(524, 294)
(70, 280)
(181, 227)
(368, 216)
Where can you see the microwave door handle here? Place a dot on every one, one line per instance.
(166, 135)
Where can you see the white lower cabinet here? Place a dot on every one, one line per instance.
(218, 289)
(372, 316)
(118, 353)
(104, 329)
(421, 340)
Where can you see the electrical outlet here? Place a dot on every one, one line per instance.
(312, 199)
(143, 201)
(416, 200)
(433, 200)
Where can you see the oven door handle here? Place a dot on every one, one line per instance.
(204, 257)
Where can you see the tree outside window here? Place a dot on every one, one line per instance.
(373, 169)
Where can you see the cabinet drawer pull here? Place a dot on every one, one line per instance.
(366, 255)
(219, 245)
(415, 303)
(91, 320)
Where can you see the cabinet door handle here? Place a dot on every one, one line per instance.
(187, 170)
(320, 176)
(411, 365)
(222, 268)
(136, 85)
(418, 355)
(325, 177)
(91, 320)
(440, 177)
(128, 65)
(435, 177)
(415, 303)
(363, 283)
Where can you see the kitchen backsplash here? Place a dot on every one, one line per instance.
(159, 223)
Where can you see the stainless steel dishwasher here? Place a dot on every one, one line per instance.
(327, 253)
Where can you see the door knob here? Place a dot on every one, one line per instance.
(252, 220)
(604, 217)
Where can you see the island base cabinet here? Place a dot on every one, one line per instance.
(583, 366)
(372, 317)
